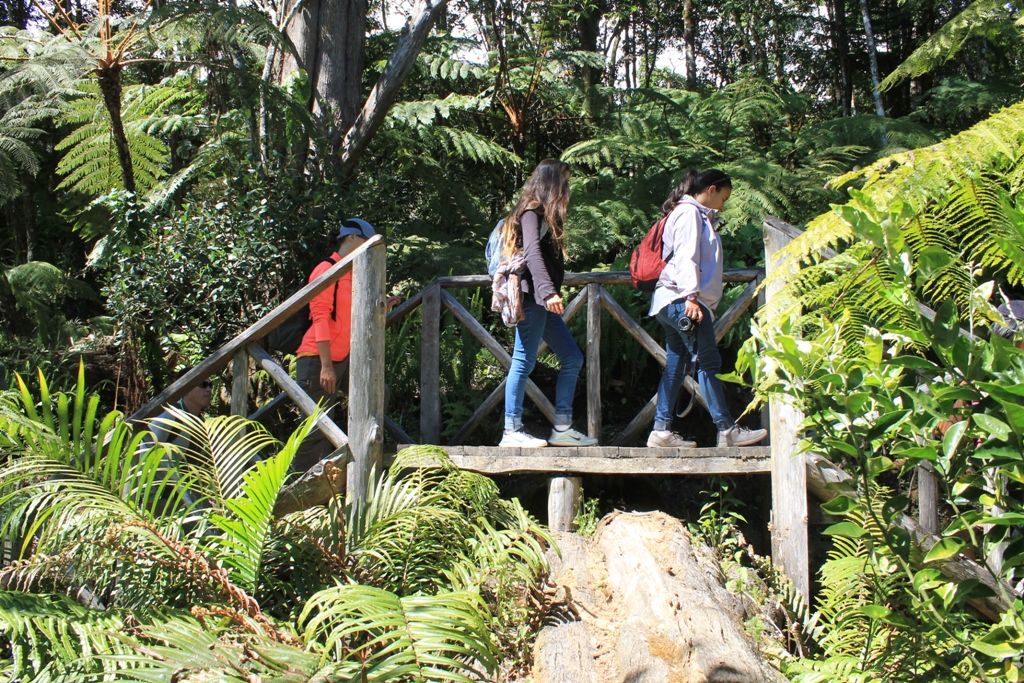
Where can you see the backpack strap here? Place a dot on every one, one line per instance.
(334, 308)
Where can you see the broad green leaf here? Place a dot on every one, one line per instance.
(944, 549)
(840, 505)
(846, 530)
(992, 425)
(951, 440)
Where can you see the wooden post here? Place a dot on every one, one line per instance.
(927, 498)
(594, 361)
(366, 372)
(240, 383)
(563, 502)
(789, 472)
(766, 415)
(430, 367)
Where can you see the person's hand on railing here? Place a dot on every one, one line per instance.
(391, 303)
(554, 304)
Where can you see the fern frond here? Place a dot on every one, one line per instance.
(981, 17)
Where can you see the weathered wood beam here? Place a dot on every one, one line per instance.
(269, 406)
(297, 394)
(789, 473)
(384, 92)
(564, 502)
(322, 482)
(430, 366)
(240, 383)
(593, 362)
(255, 332)
(604, 278)
(366, 371)
(826, 480)
(611, 460)
(498, 351)
(403, 309)
(498, 395)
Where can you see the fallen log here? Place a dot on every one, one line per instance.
(826, 481)
(650, 612)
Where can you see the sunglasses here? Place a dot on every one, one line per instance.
(206, 384)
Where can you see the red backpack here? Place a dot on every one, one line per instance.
(646, 264)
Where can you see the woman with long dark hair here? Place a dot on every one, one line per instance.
(687, 292)
(536, 227)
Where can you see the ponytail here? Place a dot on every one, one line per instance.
(693, 183)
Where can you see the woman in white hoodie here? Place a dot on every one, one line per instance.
(687, 292)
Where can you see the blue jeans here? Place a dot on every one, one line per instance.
(541, 324)
(680, 349)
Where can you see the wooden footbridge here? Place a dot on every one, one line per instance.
(362, 446)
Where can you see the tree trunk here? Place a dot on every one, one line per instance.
(110, 86)
(589, 27)
(876, 77)
(329, 38)
(28, 208)
(689, 45)
(841, 45)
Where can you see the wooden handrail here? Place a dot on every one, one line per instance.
(606, 278)
(255, 332)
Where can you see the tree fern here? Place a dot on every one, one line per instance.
(980, 18)
(90, 164)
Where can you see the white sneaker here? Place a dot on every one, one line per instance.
(740, 436)
(660, 439)
(520, 439)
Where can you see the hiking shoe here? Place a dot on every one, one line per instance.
(740, 436)
(660, 439)
(520, 439)
(570, 437)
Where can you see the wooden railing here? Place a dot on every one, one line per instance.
(595, 298)
(363, 445)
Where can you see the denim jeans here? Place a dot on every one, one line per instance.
(541, 324)
(680, 349)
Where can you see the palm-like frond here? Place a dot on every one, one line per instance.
(443, 637)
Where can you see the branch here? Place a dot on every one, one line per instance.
(384, 92)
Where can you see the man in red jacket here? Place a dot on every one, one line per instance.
(322, 358)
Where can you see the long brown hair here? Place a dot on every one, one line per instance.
(546, 193)
(693, 183)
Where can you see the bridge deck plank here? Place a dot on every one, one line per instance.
(611, 460)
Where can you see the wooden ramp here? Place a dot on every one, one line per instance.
(611, 460)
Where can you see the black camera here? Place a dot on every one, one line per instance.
(687, 325)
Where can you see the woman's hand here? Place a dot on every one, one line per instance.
(391, 303)
(554, 304)
(328, 380)
(693, 311)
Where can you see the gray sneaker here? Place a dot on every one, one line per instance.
(740, 436)
(570, 437)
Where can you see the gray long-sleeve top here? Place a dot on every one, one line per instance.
(696, 262)
(545, 269)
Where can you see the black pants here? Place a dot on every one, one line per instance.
(317, 446)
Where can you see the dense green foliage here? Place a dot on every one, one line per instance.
(167, 175)
(188, 568)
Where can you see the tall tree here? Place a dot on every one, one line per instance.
(689, 44)
(330, 39)
(876, 78)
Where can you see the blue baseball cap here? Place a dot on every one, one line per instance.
(356, 226)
